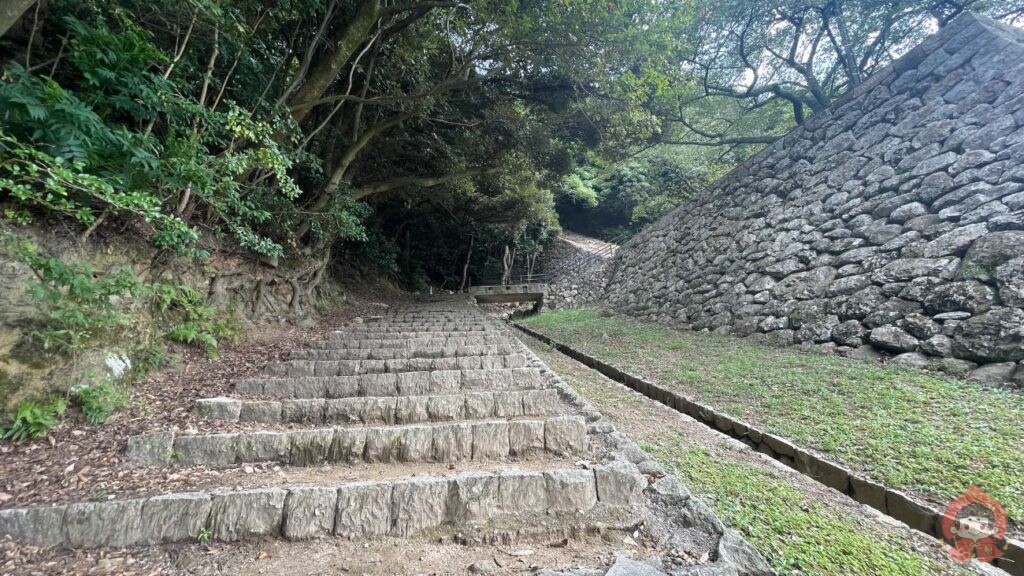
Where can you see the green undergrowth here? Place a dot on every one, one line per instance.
(86, 311)
(796, 535)
(930, 434)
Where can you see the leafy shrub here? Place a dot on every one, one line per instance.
(32, 419)
(78, 301)
(99, 401)
(190, 320)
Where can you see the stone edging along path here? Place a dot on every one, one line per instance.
(892, 502)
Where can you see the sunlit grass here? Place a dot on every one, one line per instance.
(931, 434)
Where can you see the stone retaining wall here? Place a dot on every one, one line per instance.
(584, 279)
(895, 219)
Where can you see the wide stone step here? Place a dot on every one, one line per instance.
(341, 343)
(355, 367)
(445, 443)
(410, 335)
(422, 327)
(398, 508)
(384, 410)
(395, 353)
(394, 384)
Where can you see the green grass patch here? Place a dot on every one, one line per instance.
(795, 535)
(930, 434)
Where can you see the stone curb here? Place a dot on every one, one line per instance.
(450, 442)
(393, 384)
(734, 553)
(399, 353)
(383, 409)
(891, 502)
(397, 508)
(356, 367)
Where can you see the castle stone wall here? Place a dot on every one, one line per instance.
(893, 221)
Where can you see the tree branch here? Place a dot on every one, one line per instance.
(420, 181)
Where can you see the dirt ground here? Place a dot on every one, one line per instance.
(377, 557)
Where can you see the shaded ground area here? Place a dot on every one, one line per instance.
(370, 557)
(799, 525)
(80, 461)
(929, 434)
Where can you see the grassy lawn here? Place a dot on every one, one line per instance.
(930, 434)
(796, 535)
(795, 530)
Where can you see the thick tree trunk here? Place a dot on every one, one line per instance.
(506, 266)
(11, 11)
(327, 69)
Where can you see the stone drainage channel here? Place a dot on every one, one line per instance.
(893, 503)
(430, 385)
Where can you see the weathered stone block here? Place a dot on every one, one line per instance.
(37, 526)
(310, 447)
(490, 440)
(263, 446)
(309, 512)
(306, 411)
(260, 411)
(345, 411)
(445, 381)
(205, 450)
(565, 435)
(523, 492)
(248, 513)
(570, 490)
(828, 473)
(526, 438)
(218, 409)
(113, 523)
(479, 405)
(508, 404)
(383, 384)
(347, 445)
(452, 443)
(894, 339)
(917, 516)
(174, 517)
(619, 483)
(363, 508)
(382, 444)
(419, 504)
(477, 497)
(867, 492)
(151, 449)
(445, 408)
(416, 444)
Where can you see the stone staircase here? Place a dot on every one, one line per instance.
(431, 420)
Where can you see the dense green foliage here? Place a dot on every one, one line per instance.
(32, 419)
(290, 126)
